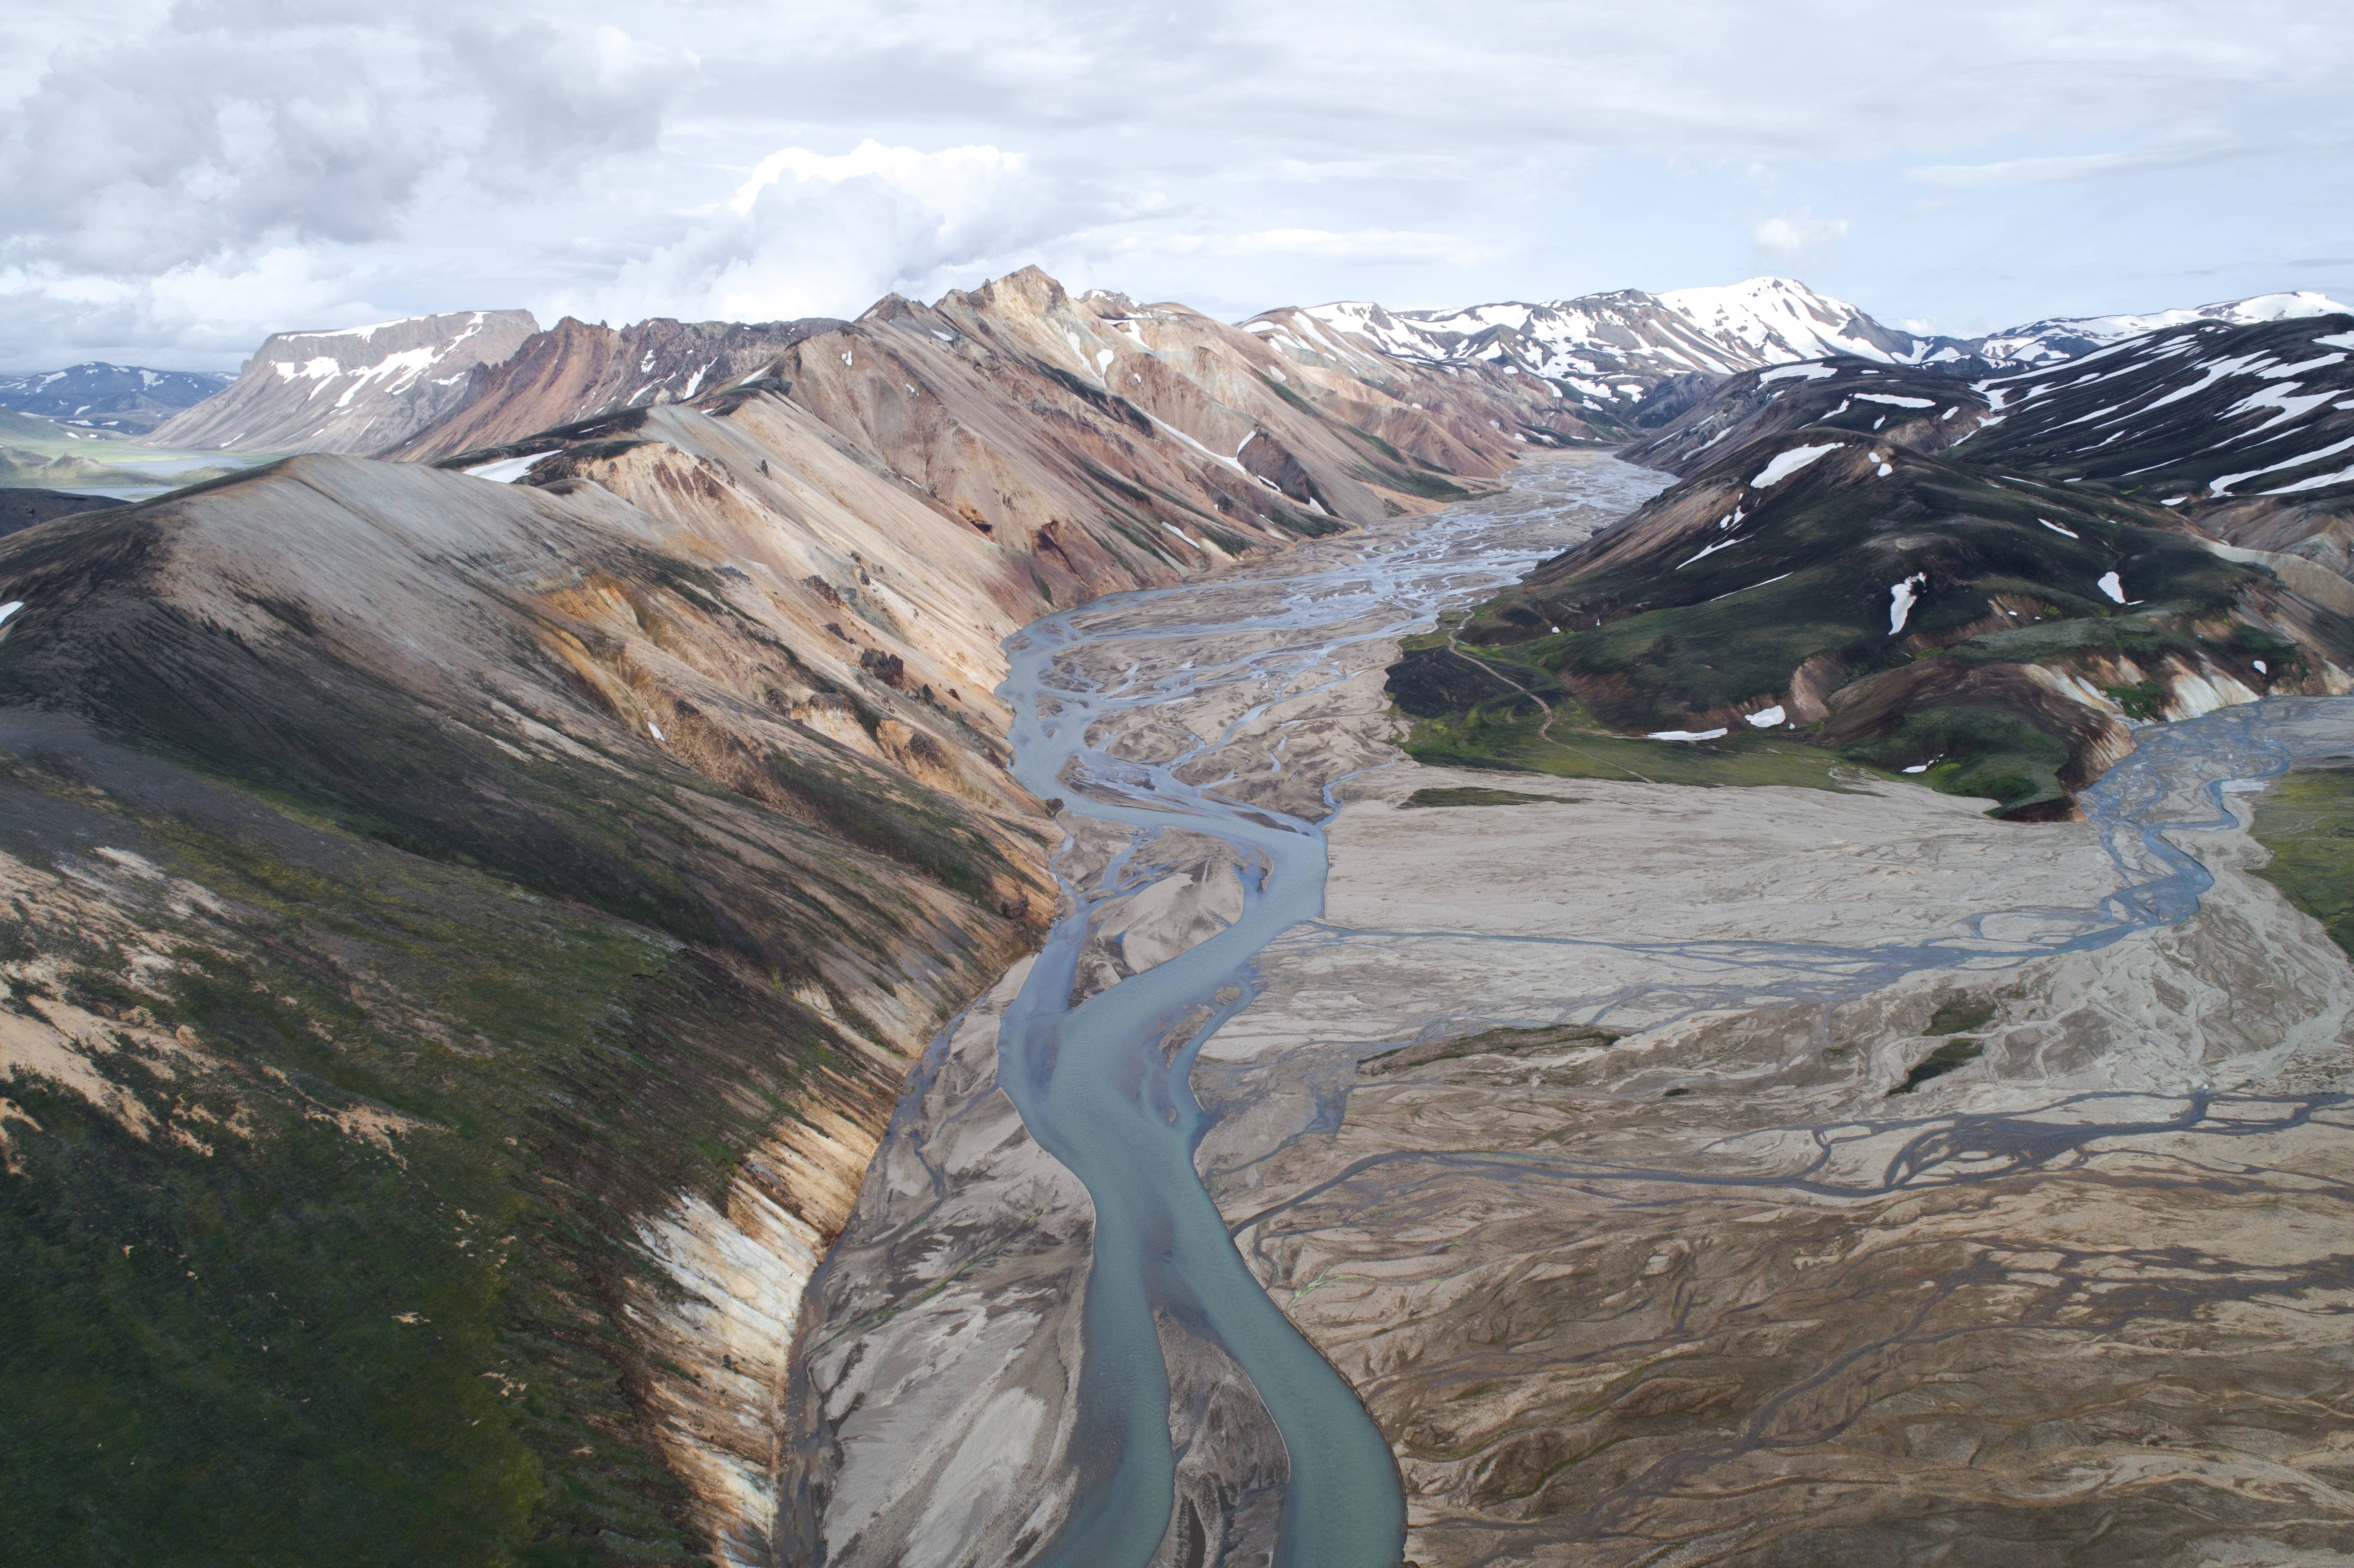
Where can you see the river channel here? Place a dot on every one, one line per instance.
(1195, 710)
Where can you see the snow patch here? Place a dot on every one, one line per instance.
(1902, 598)
(11, 607)
(1790, 462)
(1803, 372)
(2057, 529)
(1767, 718)
(2112, 586)
(1687, 735)
(505, 471)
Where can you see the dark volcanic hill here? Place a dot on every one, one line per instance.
(1918, 408)
(104, 397)
(1998, 635)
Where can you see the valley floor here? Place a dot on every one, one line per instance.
(1757, 1175)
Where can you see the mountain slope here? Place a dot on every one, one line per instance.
(353, 390)
(515, 913)
(2199, 412)
(109, 397)
(1918, 409)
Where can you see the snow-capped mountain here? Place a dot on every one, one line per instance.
(99, 396)
(2066, 337)
(358, 389)
(1609, 351)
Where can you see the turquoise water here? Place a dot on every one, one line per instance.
(1100, 1084)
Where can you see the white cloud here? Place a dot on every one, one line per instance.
(161, 160)
(2012, 172)
(1803, 238)
(1375, 245)
(808, 233)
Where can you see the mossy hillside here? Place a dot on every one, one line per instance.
(561, 987)
(238, 1384)
(1484, 708)
(2306, 819)
(1644, 632)
(1655, 638)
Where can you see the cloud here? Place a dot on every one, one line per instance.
(2013, 171)
(167, 165)
(1389, 246)
(808, 233)
(1803, 238)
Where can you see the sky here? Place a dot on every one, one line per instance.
(177, 180)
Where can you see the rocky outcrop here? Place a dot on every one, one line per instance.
(352, 390)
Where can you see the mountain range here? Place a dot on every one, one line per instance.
(353, 389)
(549, 862)
(98, 395)
(1616, 364)
(477, 913)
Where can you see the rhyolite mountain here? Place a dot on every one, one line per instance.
(1986, 583)
(354, 389)
(472, 928)
(127, 398)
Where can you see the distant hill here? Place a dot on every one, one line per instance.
(354, 389)
(574, 371)
(127, 398)
(1619, 357)
(2066, 337)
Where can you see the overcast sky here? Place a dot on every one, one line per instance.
(178, 180)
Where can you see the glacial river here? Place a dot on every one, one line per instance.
(1103, 1085)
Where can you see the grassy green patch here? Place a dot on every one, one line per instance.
(1946, 1058)
(1473, 795)
(1489, 1042)
(274, 1341)
(1960, 1017)
(2306, 819)
(1979, 752)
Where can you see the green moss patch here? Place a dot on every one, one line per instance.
(2306, 819)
